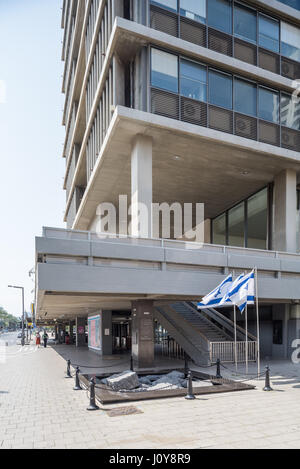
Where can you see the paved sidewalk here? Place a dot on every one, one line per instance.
(39, 409)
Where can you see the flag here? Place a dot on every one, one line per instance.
(213, 299)
(241, 292)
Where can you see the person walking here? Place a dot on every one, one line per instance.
(38, 340)
(45, 338)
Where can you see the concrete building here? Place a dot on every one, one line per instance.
(187, 101)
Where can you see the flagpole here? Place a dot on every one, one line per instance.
(235, 341)
(257, 323)
(246, 319)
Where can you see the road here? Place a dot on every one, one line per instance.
(8, 337)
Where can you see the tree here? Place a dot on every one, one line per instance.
(6, 319)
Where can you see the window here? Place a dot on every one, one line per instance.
(291, 3)
(236, 226)
(193, 80)
(194, 9)
(219, 15)
(245, 97)
(168, 4)
(268, 104)
(257, 220)
(290, 111)
(164, 70)
(245, 24)
(220, 89)
(290, 41)
(219, 230)
(268, 33)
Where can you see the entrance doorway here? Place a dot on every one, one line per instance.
(121, 334)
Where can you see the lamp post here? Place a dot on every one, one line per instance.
(23, 312)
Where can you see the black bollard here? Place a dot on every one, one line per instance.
(186, 365)
(77, 382)
(92, 405)
(69, 369)
(218, 374)
(190, 395)
(267, 381)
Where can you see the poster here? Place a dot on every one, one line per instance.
(95, 333)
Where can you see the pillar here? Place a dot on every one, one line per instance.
(285, 200)
(80, 332)
(143, 334)
(141, 187)
(71, 325)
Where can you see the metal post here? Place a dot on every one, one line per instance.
(77, 386)
(257, 322)
(190, 394)
(69, 369)
(131, 363)
(235, 339)
(218, 374)
(246, 319)
(23, 318)
(267, 381)
(92, 405)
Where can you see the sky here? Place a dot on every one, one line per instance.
(31, 138)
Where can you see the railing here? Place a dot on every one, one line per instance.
(61, 233)
(225, 351)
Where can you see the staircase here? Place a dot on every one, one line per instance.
(205, 335)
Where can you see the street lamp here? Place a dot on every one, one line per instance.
(23, 312)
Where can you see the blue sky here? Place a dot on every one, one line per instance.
(31, 137)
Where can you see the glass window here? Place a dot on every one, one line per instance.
(292, 3)
(169, 4)
(268, 105)
(193, 80)
(220, 89)
(236, 226)
(194, 9)
(219, 15)
(164, 70)
(245, 23)
(219, 230)
(290, 41)
(268, 33)
(245, 97)
(290, 111)
(258, 220)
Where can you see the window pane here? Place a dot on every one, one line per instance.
(164, 70)
(291, 3)
(290, 111)
(219, 230)
(169, 4)
(245, 23)
(245, 96)
(268, 104)
(290, 41)
(258, 220)
(268, 33)
(220, 89)
(219, 15)
(193, 80)
(236, 226)
(194, 9)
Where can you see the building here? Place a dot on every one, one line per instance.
(176, 101)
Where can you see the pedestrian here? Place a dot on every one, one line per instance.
(38, 340)
(45, 338)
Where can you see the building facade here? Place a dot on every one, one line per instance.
(176, 101)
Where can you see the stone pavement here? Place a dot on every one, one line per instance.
(39, 409)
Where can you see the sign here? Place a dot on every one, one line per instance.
(81, 330)
(95, 333)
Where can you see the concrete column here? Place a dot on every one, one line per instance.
(143, 334)
(285, 200)
(106, 333)
(80, 332)
(141, 187)
(71, 325)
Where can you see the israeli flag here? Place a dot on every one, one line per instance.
(241, 292)
(214, 298)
